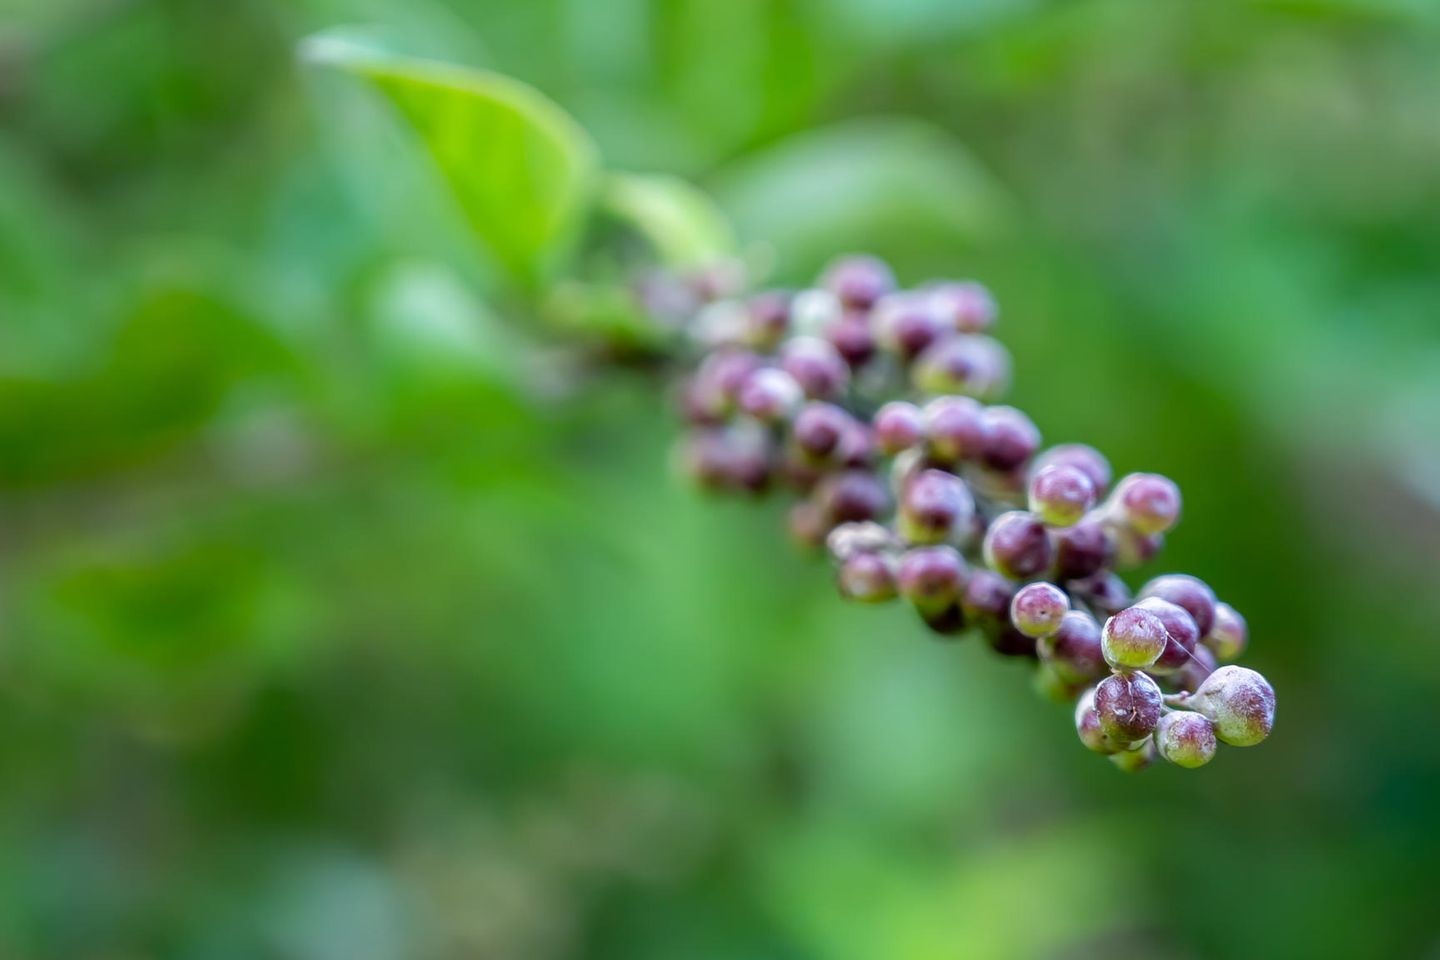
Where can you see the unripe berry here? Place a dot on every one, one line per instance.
(867, 577)
(1082, 457)
(1146, 502)
(931, 577)
(955, 428)
(852, 496)
(1129, 706)
(898, 426)
(858, 280)
(1105, 593)
(1080, 551)
(1037, 609)
(1011, 438)
(1135, 759)
(771, 395)
(1185, 738)
(816, 365)
(1087, 726)
(1180, 630)
(1016, 545)
(986, 597)
(958, 364)
(1240, 702)
(1060, 495)
(818, 428)
(933, 504)
(1133, 639)
(848, 539)
(1073, 650)
(1185, 591)
(1228, 633)
(967, 306)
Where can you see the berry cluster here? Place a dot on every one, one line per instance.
(947, 500)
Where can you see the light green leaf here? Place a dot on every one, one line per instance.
(522, 170)
(680, 221)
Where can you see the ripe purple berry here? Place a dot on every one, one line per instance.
(1087, 726)
(816, 365)
(898, 426)
(1016, 545)
(858, 280)
(1081, 550)
(931, 577)
(1227, 634)
(1185, 738)
(958, 364)
(852, 496)
(1011, 438)
(1060, 495)
(1147, 502)
(955, 427)
(1240, 702)
(1105, 593)
(1185, 591)
(1073, 650)
(986, 597)
(1082, 457)
(1180, 630)
(852, 336)
(1038, 608)
(933, 504)
(867, 577)
(1133, 639)
(1129, 706)
(770, 395)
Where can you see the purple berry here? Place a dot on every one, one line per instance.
(1185, 591)
(771, 395)
(848, 539)
(986, 597)
(1082, 457)
(1087, 726)
(1010, 438)
(816, 365)
(1080, 551)
(1200, 665)
(1060, 495)
(966, 305)
(1180, 630)
(768, 318)
(858, 280)
(931, 577)
(1228, 634)
(818, 428)
(1185, 738)
(958, 364)
(933, 504)
(1016, 545)
(1133, 639)
(955, 427)
(852, 496)
(1129, 706)
(1146, 502)
(806, 524)
(1105, 593)
(867, 577)
(1240, 702)
(1073, 650)
(898, 426)
(852, 336)
(1037, 609)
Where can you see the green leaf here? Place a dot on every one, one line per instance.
(680, 221)
(521, 168)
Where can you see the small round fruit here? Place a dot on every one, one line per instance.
(967, 306)
(818, 428)
(933, 504)
(1241, 703)
(1082, 457)
(1186, 738)
(1133, 639)
(986, 597)
(1038, 608)
(849, 539)
(867, 577)
(898, 426)
(1073, 650)
(816, 365)
(1087, 726)
(1147, 502)
(1185, 591)
(1228, 633)
(858, 280)
(852, 496)
(770, 395)
(1179, 628)
(1016, 545)
(1129, 706)
(1080, 551)
(955, 428)
(931, 577)
(1011, 438)
(1135, 759)
(1060, 495)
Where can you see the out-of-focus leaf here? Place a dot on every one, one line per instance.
(880, 184)
(680, 221)
(520, 167)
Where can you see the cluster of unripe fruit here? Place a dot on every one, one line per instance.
(875, 405)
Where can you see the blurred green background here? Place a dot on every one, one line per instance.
(335, 624)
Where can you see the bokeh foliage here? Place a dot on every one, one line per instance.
(342, 616)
